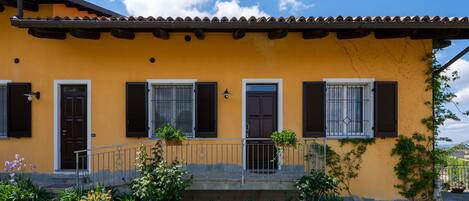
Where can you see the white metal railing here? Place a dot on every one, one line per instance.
(455, 173)
(205, 159)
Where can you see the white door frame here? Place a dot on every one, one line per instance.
(57, 150)
(277, 81)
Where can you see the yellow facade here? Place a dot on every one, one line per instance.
(110, 62)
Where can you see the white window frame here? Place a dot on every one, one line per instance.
(4, 82)
(368, 92)
(151, 83)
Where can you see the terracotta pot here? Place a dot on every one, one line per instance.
(457, 190)
(173, 142)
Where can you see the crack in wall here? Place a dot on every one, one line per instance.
(350, 56)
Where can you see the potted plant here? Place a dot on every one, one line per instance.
(171, 135)
(285, 138)
(458, 187)
(282, 140)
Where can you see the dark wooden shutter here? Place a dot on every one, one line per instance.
(385, 109)
(18, 110)
(314, 109)
(137, 109)
(206, 100)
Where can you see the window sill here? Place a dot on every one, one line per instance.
(348, 137)
(71, 172)
(4, 138)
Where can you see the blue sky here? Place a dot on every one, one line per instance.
(458, 131)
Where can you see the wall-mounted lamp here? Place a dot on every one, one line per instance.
(36, 94)
(226, 94)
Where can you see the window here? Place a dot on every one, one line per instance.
(3, 110)
(348, 109)
(173, 104)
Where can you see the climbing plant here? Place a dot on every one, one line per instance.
(439, 84)
(415, 166)
(418, 157)
(346, 167)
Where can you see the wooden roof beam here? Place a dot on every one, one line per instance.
(27, 5)
(392, 34)
(69, 5)
(47, 33)
(200, 34)
(278, 34)
(352, 34)
(239, 34)
(434, 34)
(315, 34)
(123, 34)
(82, 8)
(160, 33)
(85, 34)
(440, 44)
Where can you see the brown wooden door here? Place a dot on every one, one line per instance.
(73, 123)
(261, 121)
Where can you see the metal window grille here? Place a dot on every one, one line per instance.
(173, 104)
(3, 111)
(347, 109)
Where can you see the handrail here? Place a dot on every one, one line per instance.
(224, 158)
(190, 139)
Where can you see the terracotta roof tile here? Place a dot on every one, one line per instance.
(291, 19)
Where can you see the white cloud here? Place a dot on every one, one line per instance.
(233, 9)
(455, 130)
(462, 67)
(192, 8)
(452, 124)
(462, 96)
(165, 7)
(293, 5)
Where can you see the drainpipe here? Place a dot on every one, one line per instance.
(19, 7)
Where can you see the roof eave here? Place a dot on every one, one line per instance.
(229, 26)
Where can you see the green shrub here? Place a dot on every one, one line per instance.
(169, 133)
(122, 196)
(10, 192)
(318, 187)
(158, 181)
(23, 190)
(69, 194)
(99, 193)
(285, 138)
(330, 198)
(125, 198)
(40, 193)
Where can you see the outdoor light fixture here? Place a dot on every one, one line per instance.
(36, 94)
(226, 94)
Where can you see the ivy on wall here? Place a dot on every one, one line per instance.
(415, 166)
(346, 167)
(418, 157)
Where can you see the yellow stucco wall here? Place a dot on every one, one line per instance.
(110, 62)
